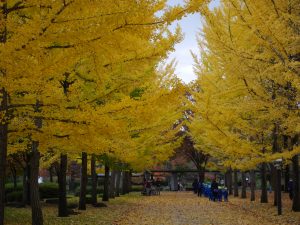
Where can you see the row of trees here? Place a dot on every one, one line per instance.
(246, 97)
(83, 78)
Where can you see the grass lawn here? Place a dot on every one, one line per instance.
(105, 215)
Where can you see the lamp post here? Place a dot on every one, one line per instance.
(278, 164)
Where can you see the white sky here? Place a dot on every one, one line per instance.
(190, 25)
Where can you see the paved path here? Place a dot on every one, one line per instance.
(184, 208)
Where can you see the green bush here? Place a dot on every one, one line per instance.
(88, 190)
(137, 188)
(9, 188)
(48, 190)
(15, 196)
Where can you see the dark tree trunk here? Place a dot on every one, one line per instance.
(106, 184)
(201, 174)
(3, 152)
(51, 174)
(286, 178)
(296, 194)
(129, 174)
(235, 181)
(230, 192)
(14, 175)
(244, 185)
(94, 180)
(252, 184)
(264, 192)
(3, 123)
(124, 182)
(118, 179)
(112, 188)
(273, 183)
(83, 182)
(62, 206)
(37, 215)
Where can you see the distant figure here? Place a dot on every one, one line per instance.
(157, 184)
(220, 195)
(195, 186)
(148, 187)
(200, 188)
(291, 189)
(214, 189)
(225, 194)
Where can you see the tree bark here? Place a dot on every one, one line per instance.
(252, 185)
(3, 123)
(296, 194)
(62, 206)
(264, 192)
(106, 184)
(83, 182)
(286, 178)
(244, 185)
(118, 179)
(3, 152)
(230, 192)
(36, 209)
(274, 183)
(112, 188)
(94, 180)
(51, 174)
(236, 188)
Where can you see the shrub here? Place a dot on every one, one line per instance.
(15, 196)
(48, 190)
(9, 188)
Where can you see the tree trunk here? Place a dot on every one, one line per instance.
(62, 206)
(202, 174)
(244, 185)
(14, 175)
(106, 184)
(83, 182)
(94, 180)
(50, 174)
(236, 188)
(230, 192)
(3, 152)
(252, 184)
(129, 174)
(112, 185)
(3, 123)
(286, 178)
(118, 179)
(296, 194)
(36, 209)
(264, 192)
(124, 183)
(273, 183)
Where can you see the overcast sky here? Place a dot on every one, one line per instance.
(190, 25)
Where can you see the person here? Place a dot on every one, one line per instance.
(220, 195)
(225, 194)
(148, 187)
(157, 185)
(291, 189)
(214, 190)
(194, 184)
(200, 187)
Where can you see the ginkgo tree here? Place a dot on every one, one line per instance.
(248, 80)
